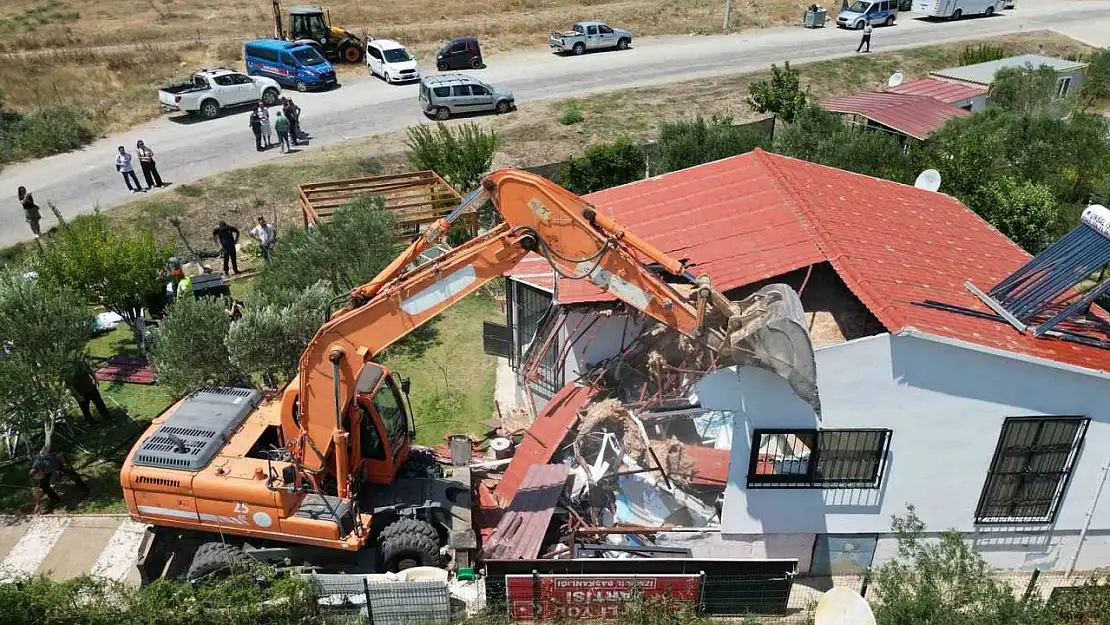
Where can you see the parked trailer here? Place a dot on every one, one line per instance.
(955, 9)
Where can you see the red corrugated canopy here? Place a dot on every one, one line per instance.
(943, 90)
(759, 215)
(912, 115)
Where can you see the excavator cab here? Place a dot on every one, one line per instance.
(312, 25)
(381, 429)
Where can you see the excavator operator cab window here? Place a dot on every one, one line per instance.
(391, 409)
(370, 439)
(310, 26)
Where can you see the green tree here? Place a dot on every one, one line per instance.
(945, 582)
(968, 151)
(43, 334)
(821, 137)
(460, 154)
(602, 166)
(1096, 81)
(687, 143)
(782, 95)
(267, 341)
(802, 139)
(1027, 90)
(105, 265)
(1025, 211)
(357, 243)
(189, 346)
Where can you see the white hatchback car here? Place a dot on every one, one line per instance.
(390, 60)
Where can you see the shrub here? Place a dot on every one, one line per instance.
(268, 340)
(687, 143)
(571, 115)
(460, 154)
(189, 346)
(602, 166)
(47, 131)
(981, 53)
(1022, 210)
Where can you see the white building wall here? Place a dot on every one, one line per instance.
(946, 405)
(594, 343)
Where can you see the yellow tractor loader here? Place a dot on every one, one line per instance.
(312, 26)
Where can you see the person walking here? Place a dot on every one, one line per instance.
(82, 385)
(150, 168)
(256, 128)
(293, 114)
(866, 40)
(264, 118)
(45, 467)
(124, 166)
(227, 236)
(281, 126)
(266, 234)
(30, 210)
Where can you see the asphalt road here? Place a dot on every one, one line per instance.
(187, 149)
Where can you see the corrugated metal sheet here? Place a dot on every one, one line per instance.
(983, 73)
(912, 115)
(519, 535)
(544, 437)
(943, 90)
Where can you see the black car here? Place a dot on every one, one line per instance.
(460, 53)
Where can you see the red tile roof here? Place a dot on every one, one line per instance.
(758, 215)
(943, 90)
(912, 115)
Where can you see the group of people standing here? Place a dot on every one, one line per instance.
(125, 166)
(286, 124)
(228, 237)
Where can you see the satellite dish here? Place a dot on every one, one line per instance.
(843, 606)
(928, 180)
(895, 79)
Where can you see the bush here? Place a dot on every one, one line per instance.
(1024, 211)
(981, 53)
(821, 137)
(687, 143)
(782, 95)
(45, 132)
(602, 166)
(357, 243)
(189, 346)
(287, 322)
(460, 154)
(572, 114)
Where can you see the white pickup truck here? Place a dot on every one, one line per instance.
(212, 90)
(593, 35)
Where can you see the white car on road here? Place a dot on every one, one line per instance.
(213, 90)
(390, 60)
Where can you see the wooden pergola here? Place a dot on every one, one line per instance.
(416, 199)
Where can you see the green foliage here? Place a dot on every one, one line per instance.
(189, 346)
(47, 131)
(42, 340)
(945, 582)
(104, 265)
(1082, 605)
(268, 339)
(1096, 80)
(821, 137)
(236, 600)
(782, 95)
(357, 243)
(460, 154)
(687, 143)
(602, 166)
(1027, 91)
(981, 53)
(1024, 211)
(572, 114)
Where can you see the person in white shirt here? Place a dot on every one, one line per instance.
(866, 40)
(150, 168)
(265, 233)
(124, 166)
(264, 119)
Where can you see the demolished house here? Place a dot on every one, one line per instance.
(927, 396)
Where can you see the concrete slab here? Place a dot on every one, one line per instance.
(79, 547)
(10, 533)
(117, 560)
(39, 537)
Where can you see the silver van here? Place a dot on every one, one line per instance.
(444, 95)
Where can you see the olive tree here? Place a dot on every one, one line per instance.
(460, 154)
(189, 349)
(43, 333)
(782, 95)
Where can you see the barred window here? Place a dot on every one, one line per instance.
(849, 458)
(1030, 470)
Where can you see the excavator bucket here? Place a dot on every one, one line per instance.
(768, 330)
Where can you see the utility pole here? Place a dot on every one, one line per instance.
(728, 14)
(1087, 521)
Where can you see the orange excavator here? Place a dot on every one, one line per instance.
(327, 477)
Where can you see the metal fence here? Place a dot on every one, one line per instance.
(363, 599)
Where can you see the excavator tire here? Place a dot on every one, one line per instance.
(215, 559)
(405, 550)
(408, 526)
(421, 463)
